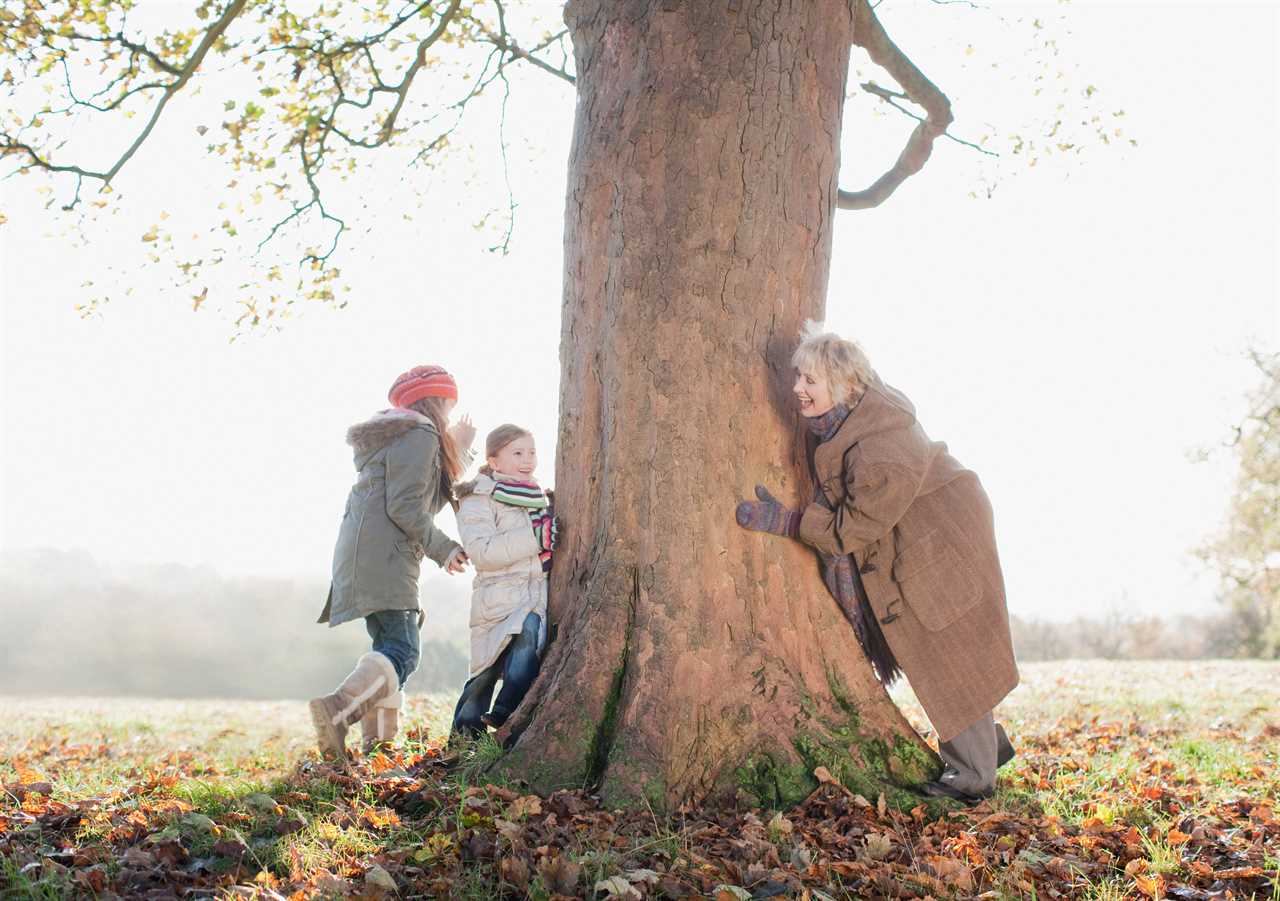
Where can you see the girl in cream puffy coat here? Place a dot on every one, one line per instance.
(508, 531)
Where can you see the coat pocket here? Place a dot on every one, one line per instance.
(412, 550)
(936, 582)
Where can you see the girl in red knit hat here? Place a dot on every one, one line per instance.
(407, 460)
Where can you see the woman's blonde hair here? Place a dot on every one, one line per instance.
(494, 442)
(841, 362)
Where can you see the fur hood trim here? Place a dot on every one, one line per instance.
(384, 427)
(481, 484)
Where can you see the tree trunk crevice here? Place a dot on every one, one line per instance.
(606, 731)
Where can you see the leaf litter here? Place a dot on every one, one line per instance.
(1093, 806)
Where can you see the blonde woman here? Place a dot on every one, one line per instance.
(907, 547)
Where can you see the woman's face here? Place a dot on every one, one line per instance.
(519, 458)
(813, 392)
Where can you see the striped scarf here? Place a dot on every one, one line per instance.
(531, 497)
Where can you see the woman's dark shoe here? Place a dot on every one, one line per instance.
(493, 720)
(939, 789)
(1004, 748)
(944, 787)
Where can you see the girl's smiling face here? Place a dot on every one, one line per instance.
(519, 458)
(813, 392)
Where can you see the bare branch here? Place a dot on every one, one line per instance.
(214, 32)
(420, 60)
(968, 3)
(504, 42)
(311, 164)
(892, 98)
(505, 246)
(135, 49)
(327, 59)
(1264, 405)
(188, 69)
(870, 35)
(299, 209)
(114, 104)
(481, 82)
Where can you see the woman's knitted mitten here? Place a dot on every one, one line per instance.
(768, 515)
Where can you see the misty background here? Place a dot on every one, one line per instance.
(171, 483)
(73, 626)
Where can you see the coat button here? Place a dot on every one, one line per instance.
(890, 618)
(867, 568)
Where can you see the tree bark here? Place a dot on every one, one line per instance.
(693, 659)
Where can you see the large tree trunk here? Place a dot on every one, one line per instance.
(693, 658)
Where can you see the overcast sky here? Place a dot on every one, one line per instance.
(1074, 338)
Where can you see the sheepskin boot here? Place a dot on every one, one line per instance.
(373, 680)
(380, 725)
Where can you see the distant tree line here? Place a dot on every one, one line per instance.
(71, 627)
(1117, 636)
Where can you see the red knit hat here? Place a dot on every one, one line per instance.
(420, 382)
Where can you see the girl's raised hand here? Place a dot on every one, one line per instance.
(463, 432)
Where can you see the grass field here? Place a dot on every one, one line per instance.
(1133, 780)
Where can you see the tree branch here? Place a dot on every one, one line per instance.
(892, 98)
(133, 47)
(504, 42)
(870, 35)
(189, 68)
(420, 60)
(505, 246)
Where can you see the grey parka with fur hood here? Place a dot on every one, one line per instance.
(387, 528)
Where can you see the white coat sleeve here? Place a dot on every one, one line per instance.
(489, 548)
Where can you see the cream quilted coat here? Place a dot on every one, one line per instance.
(510, 583)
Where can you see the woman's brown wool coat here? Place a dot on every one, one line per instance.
(919, 527)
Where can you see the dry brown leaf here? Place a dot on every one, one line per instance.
(137, 858)
(1151, 886)
(560, 874)
(951, 871)
(1137, 867)
(515, 871)
(528, 806)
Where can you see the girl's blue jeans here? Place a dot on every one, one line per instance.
(517, 666)
(395, 635)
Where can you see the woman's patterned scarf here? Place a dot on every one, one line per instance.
(535, 502)
(840, 573)
(826, 425)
